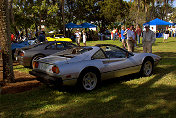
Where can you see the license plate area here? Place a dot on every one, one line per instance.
(43, 66)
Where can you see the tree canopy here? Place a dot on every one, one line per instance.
(34, 13)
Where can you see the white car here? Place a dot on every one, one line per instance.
(88, 66)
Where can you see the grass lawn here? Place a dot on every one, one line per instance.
(127, 97)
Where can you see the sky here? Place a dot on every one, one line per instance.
(173, 3)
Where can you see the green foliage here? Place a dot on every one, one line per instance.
(103, 13)
(97, 11)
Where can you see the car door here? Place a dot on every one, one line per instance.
(118, 63)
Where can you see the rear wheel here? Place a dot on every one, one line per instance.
(35, 58)
(147, 68)
(88, 80)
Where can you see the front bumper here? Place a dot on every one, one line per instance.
(52, 79)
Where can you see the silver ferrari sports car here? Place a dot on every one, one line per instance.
(86, 67)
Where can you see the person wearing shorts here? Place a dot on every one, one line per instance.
(166, 35)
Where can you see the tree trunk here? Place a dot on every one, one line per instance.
(166, 8)
(63, 16)
(8, 75)
(26, 30)
(11, 16)
(138, 10)
(40, 24)
(145, 9)
(152, 11)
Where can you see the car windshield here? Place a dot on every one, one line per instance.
(59, 36)
(72, 52)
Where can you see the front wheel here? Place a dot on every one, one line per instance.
(147, 68)
(88, 80)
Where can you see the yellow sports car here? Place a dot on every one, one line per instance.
(58, 37)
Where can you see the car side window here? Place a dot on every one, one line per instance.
(55, 46)
(51, 47)
(99, 55)
(114, 52)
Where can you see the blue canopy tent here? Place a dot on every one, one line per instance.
(158, 21)
(72, 25)
(88, 25)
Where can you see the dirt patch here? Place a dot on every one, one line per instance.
(23, 82)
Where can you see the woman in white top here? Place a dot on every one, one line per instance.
(84, 38)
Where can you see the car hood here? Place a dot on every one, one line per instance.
(154, 56)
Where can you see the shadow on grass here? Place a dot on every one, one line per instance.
(115, 99)
(24, 79)
(166, 54)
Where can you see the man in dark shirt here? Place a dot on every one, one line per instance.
(41, 37)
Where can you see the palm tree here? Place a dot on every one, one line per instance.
(138, 9)
(166, 4)
(8, 75)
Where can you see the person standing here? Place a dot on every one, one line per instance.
(84, 38)
(174, 31)
(112, 35)
(138, 33)
(114, 30)
(166, 35)
(148, 39)
(134, 37)
(41, 37)
(123, 33)
(12, 38)
(78, 37)
(131, 39)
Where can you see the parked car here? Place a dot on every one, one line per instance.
(32, 41)
(18, 45)
(87, 66)
(27, 55)
(58, 37)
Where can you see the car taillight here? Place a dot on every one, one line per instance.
(55, 69)
(21, 54)
(35, 64)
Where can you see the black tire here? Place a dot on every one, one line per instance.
(147, 68)
(37, 57)
(89, 80)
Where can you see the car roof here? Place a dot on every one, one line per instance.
(44, 44)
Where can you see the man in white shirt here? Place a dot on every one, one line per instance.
(130, 39)
(78, 37)
(148, 39)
